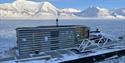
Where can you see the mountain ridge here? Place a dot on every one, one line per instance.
(21, 8)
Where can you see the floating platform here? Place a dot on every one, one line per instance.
(68, 56)
(97, 56)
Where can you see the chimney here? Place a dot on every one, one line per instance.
(57, 22)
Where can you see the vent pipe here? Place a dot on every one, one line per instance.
(57, 24)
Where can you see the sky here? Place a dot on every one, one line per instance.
(81, 4)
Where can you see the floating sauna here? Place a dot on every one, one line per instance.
(33, 40)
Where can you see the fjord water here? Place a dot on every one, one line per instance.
(115, 27)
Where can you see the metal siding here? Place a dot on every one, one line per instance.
(35, 39)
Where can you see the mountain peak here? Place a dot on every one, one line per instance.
(47, 4)
(93, 7)
(48, 7)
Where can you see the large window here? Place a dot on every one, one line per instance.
(24, 39)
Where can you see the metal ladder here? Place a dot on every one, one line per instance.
(89, 43)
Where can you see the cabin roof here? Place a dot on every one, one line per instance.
(50, 27)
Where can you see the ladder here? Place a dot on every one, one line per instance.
(99, 43)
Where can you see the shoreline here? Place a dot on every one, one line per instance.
(62, 18)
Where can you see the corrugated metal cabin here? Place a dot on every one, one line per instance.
(32, 40)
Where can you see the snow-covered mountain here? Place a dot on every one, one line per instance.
(26, 8)
(47, 8)
(119, 13)
(95, 12)
(102, 13)
(70, 10)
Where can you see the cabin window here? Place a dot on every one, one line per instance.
(24, 39)
(46, 38)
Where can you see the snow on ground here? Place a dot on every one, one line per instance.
(37, 61)
(115, 60)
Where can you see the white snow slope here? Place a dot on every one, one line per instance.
(25, 8)
(102, 12)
